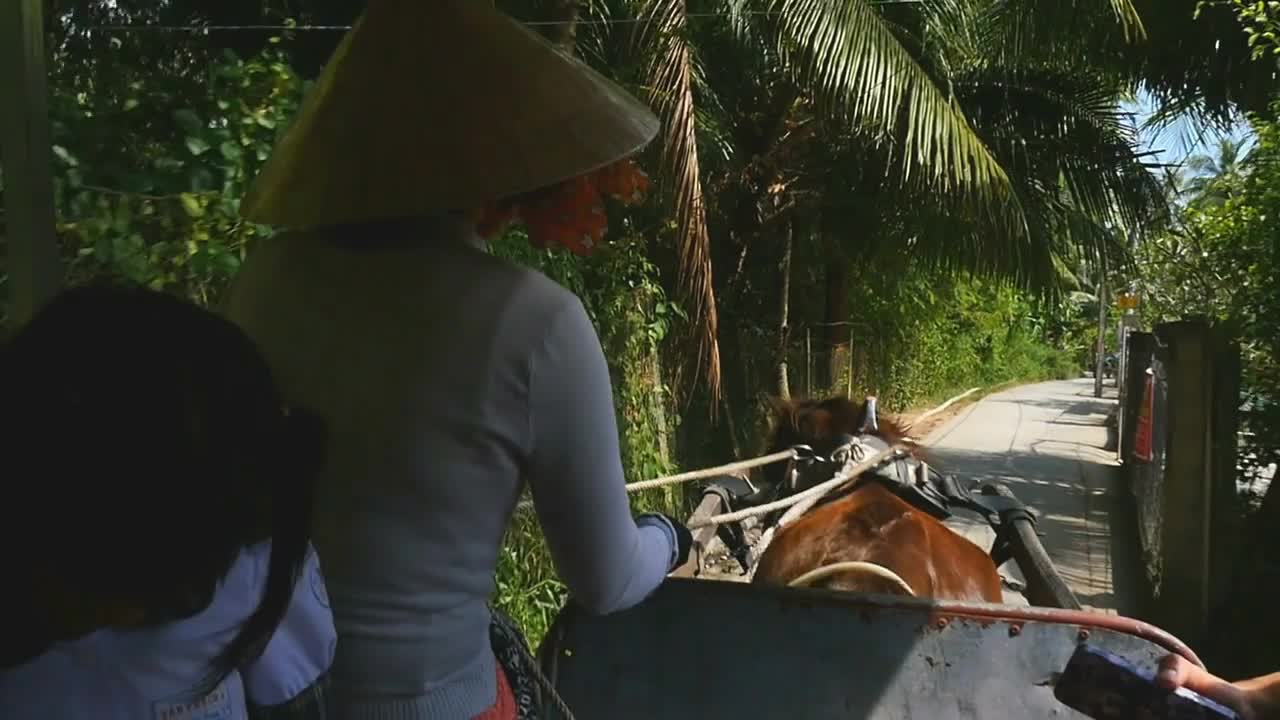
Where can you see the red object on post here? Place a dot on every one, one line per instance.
(1142, 436)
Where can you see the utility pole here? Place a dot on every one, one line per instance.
(1102, 335)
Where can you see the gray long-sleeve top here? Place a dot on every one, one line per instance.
(449, 377)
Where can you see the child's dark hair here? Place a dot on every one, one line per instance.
(156, 448)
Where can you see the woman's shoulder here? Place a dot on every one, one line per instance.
(148, 671)
(530, 292)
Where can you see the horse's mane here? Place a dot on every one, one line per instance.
(808, 419)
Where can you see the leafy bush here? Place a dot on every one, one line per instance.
(1222, 263)
(930, 334)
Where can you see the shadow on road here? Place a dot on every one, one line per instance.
(1085, 515)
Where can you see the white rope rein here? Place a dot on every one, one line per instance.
(733, 467)
(692, 475)
(812, 495)
(728, 469)
(930, 413)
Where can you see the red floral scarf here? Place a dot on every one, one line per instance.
(570, 214)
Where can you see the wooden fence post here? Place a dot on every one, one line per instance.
(35, 272)
(1198, 486)
(808, 361)
(1184, 540)
(849, 392)
(1226, 522)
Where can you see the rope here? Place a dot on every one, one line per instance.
(545, 682)
(692, 475)
(803, 507)
(728, 469)
(813, 494)
(870, 568)
(943, 406)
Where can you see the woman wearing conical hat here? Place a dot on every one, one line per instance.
(448, 377)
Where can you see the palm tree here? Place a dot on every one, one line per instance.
(1215, 176)
(888, 72)
(910, 77)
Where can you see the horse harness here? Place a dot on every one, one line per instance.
(911, 479)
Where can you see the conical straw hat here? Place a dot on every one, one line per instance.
(436, 105)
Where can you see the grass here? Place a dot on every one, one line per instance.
(528, 587)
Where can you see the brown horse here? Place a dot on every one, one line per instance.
(870, 540)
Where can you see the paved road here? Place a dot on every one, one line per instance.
(1046, 441)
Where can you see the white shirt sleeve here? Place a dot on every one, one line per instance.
(302, 648)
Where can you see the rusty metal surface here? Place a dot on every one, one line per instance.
(700, 649)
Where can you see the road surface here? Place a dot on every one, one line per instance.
(1046, 442)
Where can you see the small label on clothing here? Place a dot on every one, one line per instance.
(216, 705)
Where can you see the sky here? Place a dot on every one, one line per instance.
(1179, 140)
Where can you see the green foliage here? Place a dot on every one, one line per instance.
(1260, 21)
(528, 588)
(153, 195)
(1222, 263)
(929, 333)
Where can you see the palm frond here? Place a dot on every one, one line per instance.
(1045, 28)
(856, 69)
(1063, 127)
(672, 83)
(1193, 57)
(1069, 153)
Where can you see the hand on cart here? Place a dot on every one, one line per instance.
(1255, 699)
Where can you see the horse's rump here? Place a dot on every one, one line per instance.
(874, 525)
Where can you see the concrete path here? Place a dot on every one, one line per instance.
(1045, 442)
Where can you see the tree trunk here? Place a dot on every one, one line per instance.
(836, 311)
(784, 324)
(659, 405)
(734, 376)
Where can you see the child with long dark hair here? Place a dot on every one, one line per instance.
(157, 520)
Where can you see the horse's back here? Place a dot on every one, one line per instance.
(873, 525)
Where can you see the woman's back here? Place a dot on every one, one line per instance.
(444, 373)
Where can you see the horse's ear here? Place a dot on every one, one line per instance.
(868, 422)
